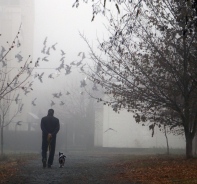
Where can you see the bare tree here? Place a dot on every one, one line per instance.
(151, 64)
(14, 79)
(76, 110)
(10, 107)
(11, 77)
(17, 78)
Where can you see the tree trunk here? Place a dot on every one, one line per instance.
(189, 141)
(168, 152)
(1, 140)
(195, 145)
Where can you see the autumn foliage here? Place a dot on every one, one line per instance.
(10, 167)
(158, 169)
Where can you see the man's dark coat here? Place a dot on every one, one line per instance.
(49, 125)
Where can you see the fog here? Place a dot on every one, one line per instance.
(84, 123)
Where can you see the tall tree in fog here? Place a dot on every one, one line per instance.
(15, 70)
(150, 64)
(15, 77)
(10, 107)
(76, 110)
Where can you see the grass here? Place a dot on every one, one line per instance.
(10, 164)
(158, 169)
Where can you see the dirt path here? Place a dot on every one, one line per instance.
(80, 168)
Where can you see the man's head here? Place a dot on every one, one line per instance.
(50, 112)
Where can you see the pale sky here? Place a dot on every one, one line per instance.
(62, 23)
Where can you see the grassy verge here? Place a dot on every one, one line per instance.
(158, 169)
(10, 164)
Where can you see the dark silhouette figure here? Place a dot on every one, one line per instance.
(50, 126)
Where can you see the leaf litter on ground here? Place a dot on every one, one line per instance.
(158, 169)
(142, 169)
(10, 166)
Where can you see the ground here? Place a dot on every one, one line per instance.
(80, 167)
(102, 168)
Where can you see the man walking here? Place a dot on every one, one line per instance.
(50, 127)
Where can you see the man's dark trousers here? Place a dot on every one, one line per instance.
(46, 145)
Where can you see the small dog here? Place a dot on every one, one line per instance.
(61, 159)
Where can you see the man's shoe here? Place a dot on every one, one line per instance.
(44, 162)
(49, 166)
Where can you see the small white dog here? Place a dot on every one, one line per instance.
(61, 159)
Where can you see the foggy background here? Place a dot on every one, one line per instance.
(85, 124)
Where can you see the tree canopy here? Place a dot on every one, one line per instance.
(150, 65)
